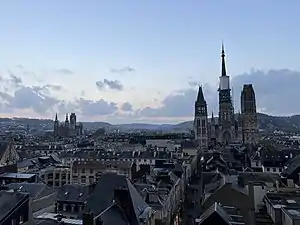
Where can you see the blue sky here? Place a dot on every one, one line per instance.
(167, 42)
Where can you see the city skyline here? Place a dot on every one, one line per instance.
(141, 62)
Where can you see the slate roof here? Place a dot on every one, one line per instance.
(104, 195)
(4, 145)
(35, 190)
(73, 193)
(291, 166)
(102, 154)
(216, 208)
(258, 177)
(8, 201)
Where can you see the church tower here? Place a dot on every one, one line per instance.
(67, 123)
(249, 115)
(56, 126)
(226, 112)
(200, 121)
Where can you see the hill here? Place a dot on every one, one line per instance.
(265, 122)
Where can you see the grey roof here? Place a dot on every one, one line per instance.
(8, 200)
(258, 177)
(216, 208)
(291, 166)
(35, 190)
(114, 215)
(102, 154)
(17, 175)
(25, 163)
(104, 195)
(4, 145)
(74, 193)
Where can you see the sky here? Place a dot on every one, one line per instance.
(141, 61)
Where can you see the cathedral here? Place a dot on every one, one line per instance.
(228, 127)
(68, 128)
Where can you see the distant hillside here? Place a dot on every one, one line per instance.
(265, 122)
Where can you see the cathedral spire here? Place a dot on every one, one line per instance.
(56, 117)
(200, 96)
(223, 61)
(212, 118)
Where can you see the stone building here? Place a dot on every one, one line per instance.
(229, 127)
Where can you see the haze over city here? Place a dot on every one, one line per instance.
(141, 61)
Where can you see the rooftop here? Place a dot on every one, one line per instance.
(17, 175)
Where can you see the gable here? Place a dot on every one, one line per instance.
(227, 195)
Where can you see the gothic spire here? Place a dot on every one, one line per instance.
(212, 118)
(200, 97)
(223, 61)
(56, 117)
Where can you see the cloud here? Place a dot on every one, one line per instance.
(29, 98)
(123, 70)
(275, 90)
(19, 66)
(111, 84)
(15, 80)
(64, 71)
(275, 94)
(96, 108)
(127, 107)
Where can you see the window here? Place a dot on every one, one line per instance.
(83, 180)
(203, 123)
(256, 163)
(91, 170)
(274, 169)
(268, 169)
(82, 170)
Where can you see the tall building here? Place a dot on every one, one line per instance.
(56, 126)
(73, 121)
(227, 128)
(226, 122)
(68, 128)
(200, 121)
(249, 115)
(67, 123)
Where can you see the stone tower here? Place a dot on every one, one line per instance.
(67, 122)
(226, 112)
(56, 126)
(249, 115)
(200, 121)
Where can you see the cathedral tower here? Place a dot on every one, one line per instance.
(67, 123)
(56, 126)
(200, 121)
(249, 115)
(226, 113)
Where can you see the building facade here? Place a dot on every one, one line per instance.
(200, 121)
(228, 128)
(69, 128)
(249, 115)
